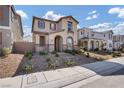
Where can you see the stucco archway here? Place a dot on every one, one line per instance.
(58, 45)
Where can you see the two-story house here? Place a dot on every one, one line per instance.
(49, 35)
(90, 39)
(10, 26)
(118, 41)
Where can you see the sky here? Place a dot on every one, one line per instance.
(99, 17)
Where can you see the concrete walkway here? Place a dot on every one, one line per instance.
(66, 77)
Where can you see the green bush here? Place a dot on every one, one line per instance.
(87, 55)
(43, 53)
(51, 65)
(69, 63)
(122, 50)
(48, 59)
(56, 55)
(53, 52)
(5, 51)
(27, 68)
(116, 54)
(28, 55)
(96, 49)
(81, 51)
(84, 49)
(73, 52)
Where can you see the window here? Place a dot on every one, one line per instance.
(92, 35)
(53, 26)
(1, 14)
(69, 26)
(110, 45)
(110, 36)
(69, 43)
(42, 40)
(0, 37)
(81, 33)
(41, 24)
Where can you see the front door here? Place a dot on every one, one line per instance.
(58, 44)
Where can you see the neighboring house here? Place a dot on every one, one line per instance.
(91, 40)
(10, 26)
(118, 41)
(49, 35)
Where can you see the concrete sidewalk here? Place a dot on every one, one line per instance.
(65, 77)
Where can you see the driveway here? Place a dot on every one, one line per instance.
(77, 76)
(114, 80)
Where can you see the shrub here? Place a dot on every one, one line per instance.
(84, 49)
(43, 53)
(28, 55)
(87, 55)
(81, 51)
(56, 55)
(53, 52)
(100, 58)
(27, 68)
(5, 51)
(116, 54)
(51, 65)
(48, 59)
(73, 52)
(122, 50)
(69, 63)
(97, 49)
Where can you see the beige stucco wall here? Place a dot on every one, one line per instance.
(6, 38)
(16, 29)
(62, 31)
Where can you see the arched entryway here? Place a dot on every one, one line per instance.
(69, 43)
(58, 43)
(92, 45)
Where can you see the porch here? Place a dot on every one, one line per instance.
(92, 44)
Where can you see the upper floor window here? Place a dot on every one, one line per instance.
(81, 33)
(41, 24)
(1, 14)
(69, 26)
(53, 26)
(92, 35)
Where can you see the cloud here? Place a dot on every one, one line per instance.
(101, 27)
(27, 33)
(22, 13)
(92, 12)
(94, 16)
(118, 28)
(51, 15)
(78, 26)
(117, 11)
